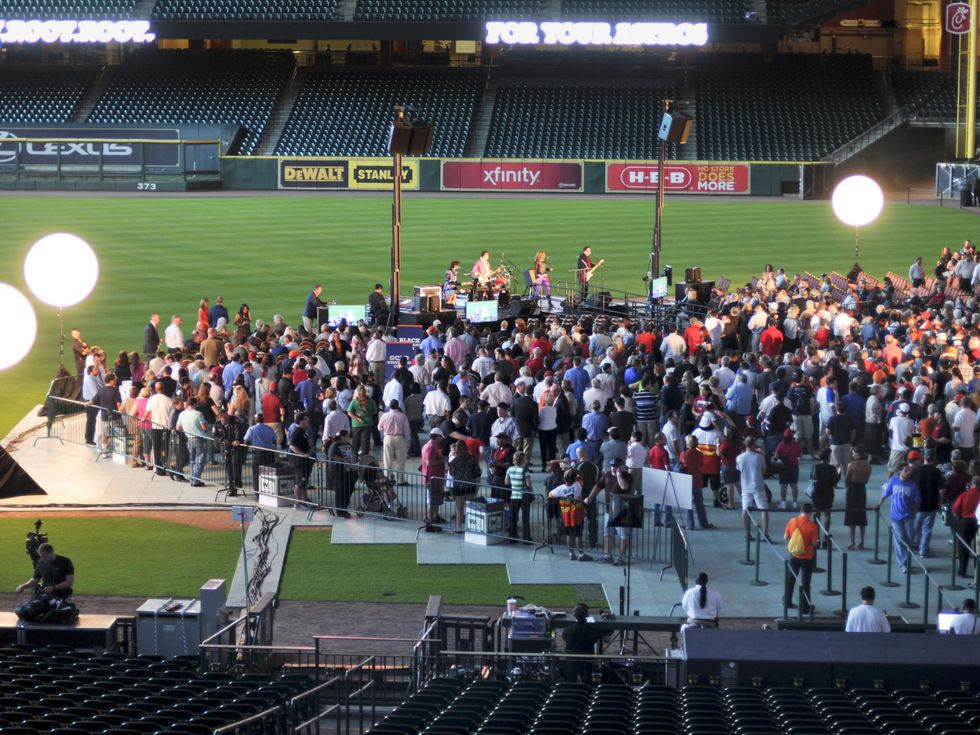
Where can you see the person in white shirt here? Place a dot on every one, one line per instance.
(725, 375)
(595, 393)
(702, 605)
(673, 346)
(394, 391)
(713, 326)
(866, 618)
(497, 392)
(900, 427)
(336, 420)
(964, 424)
(173, 337)
(419, 371)
(966, 622)
(436, 404)
(375, 355)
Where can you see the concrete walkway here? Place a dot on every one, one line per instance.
(72, 478)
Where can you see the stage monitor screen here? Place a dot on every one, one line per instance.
(352, 313)
(943, 620)
(481, 311)
(658, 288)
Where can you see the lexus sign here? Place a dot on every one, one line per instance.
(88, 146)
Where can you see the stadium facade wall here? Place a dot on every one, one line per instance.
(508, 175)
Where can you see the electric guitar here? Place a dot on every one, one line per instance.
(589, 272)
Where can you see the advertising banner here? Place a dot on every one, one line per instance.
(695, 178)
(394, 351)
(511, 175)
(413, 333)
(86, 147)
(376, 173)
(312, 173)
(346, 173)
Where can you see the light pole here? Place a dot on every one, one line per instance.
(61, 270)
(857, 201)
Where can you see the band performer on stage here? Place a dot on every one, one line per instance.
(481, 273)
(450, 284)
(583, 270)
(541, 279)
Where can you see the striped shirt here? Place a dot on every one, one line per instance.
(517, 480)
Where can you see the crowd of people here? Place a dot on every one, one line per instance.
(736, 398)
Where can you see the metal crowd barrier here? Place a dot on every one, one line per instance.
(332, 486)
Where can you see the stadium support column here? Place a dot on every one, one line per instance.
(971, 85)
(396, 240)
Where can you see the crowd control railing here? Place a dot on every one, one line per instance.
(332, 486)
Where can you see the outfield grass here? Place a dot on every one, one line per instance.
(125, 556)
(319, 570)
(164, 254)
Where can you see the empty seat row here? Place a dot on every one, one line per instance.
(323, 10)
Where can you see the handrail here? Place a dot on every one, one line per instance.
(247, 720)
(316, 718)
(314, 690)
(368, 638)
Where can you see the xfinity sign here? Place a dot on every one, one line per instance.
(75, 31)
(598, 34)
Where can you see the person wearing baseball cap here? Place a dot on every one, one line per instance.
(901, 428)
(617, 485)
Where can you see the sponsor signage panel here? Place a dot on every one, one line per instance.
(511, 175)
(313, 173)
(75, 31)
(86, 147)
(394, 351)
(345, 173)
(597, 34)
(377, 173)
(696, 178)
(958, 18)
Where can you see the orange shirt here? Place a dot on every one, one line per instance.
(811, 535)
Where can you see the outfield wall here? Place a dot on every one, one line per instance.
(509, 175)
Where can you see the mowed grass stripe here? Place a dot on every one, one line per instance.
(165, 254)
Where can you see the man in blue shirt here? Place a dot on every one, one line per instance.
(578, 378)
(595, 424)
(231, 371)
(91, 385)
(739, 398)
(580, 441)
(432, 343)
(904, 492)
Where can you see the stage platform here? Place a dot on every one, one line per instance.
(89, 632)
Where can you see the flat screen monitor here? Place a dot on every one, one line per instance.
(352, 313)
(658, 288)
(944, 619)
(481, 311)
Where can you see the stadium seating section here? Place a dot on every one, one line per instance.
(41, 94)
(349, 113)
(926, 94)
(798, 107)
(492, 708)
(446, 10)
(244, 9)
(219, 87)
(58, 690)
(575, 121)
(712, 11)
(68, 9)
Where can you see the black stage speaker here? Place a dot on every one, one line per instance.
(692, 275)
(425, 318)
(669, 275)
(675, 127)
(410, 139)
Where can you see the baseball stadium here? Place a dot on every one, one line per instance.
(489, 367)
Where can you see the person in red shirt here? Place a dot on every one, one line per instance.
(822, 336)
(694, 336)
(892, 353)
(965, 510)
(692, 462)
(771, 340)
(788, 453)
(646, 339)
(657, 457)
(541, 341)
(803, 562)
(729, 448)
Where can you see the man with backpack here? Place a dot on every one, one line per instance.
(802, 536)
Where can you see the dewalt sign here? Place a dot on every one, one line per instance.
(313, 173)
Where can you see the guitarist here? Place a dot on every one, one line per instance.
(585, 270)
(481, 273)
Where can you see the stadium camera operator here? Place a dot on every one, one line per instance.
(53, 574)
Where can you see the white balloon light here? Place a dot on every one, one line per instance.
(857, 201)
(61, 269)
(17, 324)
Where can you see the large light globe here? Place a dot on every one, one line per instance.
(17, 324)
(857, 201)
(61, 269)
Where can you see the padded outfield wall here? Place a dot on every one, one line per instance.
(512, 175)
